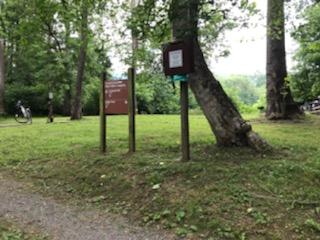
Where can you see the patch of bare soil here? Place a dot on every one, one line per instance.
(59, 222)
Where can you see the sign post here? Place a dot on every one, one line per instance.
(178, 61)
(132, 110)
(103, 133)
(118, 98)
(184, 98)
(50, 107)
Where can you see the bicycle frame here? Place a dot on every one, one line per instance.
(23, 115)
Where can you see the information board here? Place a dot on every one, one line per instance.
(116, 97)
(176, 59)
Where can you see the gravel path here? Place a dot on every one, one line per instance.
(64, 222)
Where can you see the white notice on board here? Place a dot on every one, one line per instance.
(175, 59)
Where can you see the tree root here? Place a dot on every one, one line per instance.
(257, 143)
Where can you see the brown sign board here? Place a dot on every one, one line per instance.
(116, 97)
(178, 58)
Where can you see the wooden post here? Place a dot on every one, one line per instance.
(50, 111)
(132, 110)
(103, 134)
(185, 145)
(2, 77)
(131, 88)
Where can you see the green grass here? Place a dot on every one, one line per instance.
(10, 232)
(223, 193)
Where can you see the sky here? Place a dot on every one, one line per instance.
(247, 48)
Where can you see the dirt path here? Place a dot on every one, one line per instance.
(64, 222)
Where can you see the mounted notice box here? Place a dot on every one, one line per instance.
(116, 97)
(178, 58)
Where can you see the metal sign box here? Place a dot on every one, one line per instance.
(178, 58)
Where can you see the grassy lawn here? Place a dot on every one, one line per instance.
(221, 194)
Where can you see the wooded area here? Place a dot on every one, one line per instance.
(63, 47)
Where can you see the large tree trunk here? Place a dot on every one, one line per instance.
(226, 122)
(67, 65)
(280, 103)
(2, 77)
(77, 106)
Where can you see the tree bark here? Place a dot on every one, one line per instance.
(280, 103)
(225, 120)
(67, 63)
(77, 106)
(2, 77)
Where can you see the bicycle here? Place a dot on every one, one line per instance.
(23, 114)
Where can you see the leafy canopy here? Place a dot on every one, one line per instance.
(306, 78)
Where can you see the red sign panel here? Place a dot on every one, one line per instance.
(116, 97)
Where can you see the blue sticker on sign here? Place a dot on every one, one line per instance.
(179, 78)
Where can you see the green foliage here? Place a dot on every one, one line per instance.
(259, 217)
(9, 232)
(151, 21)
(91, 97)
(247, 92)
(32, 96)
(180, 215)
(313, 225)
(305, 81)
(42, 45)
(155, 95)
(242, 88)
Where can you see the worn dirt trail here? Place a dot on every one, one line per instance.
(64, 222)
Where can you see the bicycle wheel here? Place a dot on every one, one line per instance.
(20, 118)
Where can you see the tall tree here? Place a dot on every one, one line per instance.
(43, 42)
(84, 31)
(280, 103)
(66, 16)
(225, 120)
(2, 77)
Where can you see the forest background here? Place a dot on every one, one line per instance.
(42, 40)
